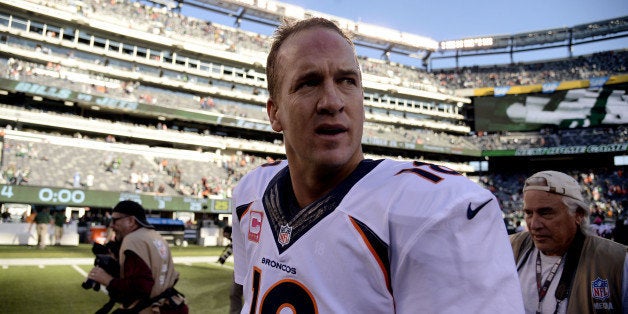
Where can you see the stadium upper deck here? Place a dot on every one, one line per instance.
(73, 45)
(419, 94)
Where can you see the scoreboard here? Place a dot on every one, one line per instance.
(52, 196)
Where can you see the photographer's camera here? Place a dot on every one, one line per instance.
(104, 259)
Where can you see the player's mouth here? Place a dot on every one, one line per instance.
(330, 130)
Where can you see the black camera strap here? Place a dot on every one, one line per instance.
(107, 307)
(569, 270)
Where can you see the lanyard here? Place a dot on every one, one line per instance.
(543, 289)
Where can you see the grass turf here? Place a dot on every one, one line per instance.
(84, 250)
(57, 289)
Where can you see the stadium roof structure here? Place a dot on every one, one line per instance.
(272, 13)
(579, 34)
(536, 40)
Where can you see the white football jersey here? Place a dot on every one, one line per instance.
(394, 237)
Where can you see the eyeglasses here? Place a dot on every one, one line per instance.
(114, 219)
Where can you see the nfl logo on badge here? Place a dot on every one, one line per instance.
(284, 235)
(599, 289)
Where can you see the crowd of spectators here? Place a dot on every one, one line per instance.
(170, 23)
(14, 175)
(602, 64)
(132, 91)
(233, 168)
(37, 73)
(17, 172)
(606, 190)
(551, 137)
(165, 176)
(32, 72)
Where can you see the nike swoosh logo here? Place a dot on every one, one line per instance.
(472, 212)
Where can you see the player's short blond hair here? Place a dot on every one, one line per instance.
(285, 31)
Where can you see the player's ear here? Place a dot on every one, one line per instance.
(273, 116)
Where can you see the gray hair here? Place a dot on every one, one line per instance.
(574, 206)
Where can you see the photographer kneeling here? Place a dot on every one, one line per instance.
(147, 274)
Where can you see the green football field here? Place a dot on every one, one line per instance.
(57, 288)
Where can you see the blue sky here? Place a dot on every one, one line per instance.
(456, 19)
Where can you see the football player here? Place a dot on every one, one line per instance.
(328, 231)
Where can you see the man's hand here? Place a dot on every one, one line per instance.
(100, 275)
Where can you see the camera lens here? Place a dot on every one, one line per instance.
(88, 284)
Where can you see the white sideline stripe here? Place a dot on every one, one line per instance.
(46, 261)
(80, 270)
(90, 261)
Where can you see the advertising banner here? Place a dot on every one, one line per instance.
(563, 109)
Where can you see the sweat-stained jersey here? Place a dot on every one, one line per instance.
(394, 237)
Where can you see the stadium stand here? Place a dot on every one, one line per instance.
(47, 160)
(606, 190)
(552, 138)
(582, 67)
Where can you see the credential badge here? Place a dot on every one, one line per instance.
(284, 235)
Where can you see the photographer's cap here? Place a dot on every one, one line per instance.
(554, 182)
(134, 209)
